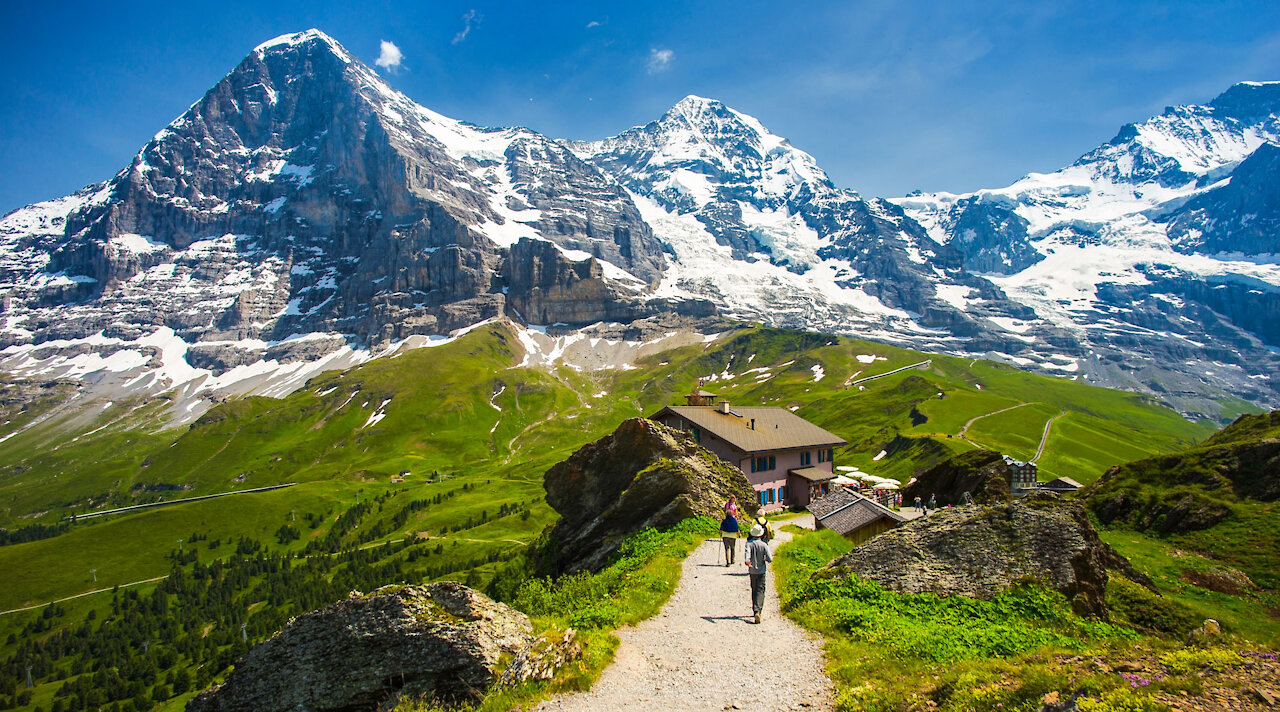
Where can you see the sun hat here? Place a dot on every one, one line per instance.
(757, 530)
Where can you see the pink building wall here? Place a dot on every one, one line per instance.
(768, 480)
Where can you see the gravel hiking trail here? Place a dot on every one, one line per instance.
(703, 651)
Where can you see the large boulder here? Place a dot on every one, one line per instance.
(977, 551)
(982, 473)
(442, 641)
(642, 475)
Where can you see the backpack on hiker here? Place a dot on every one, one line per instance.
(768, 530)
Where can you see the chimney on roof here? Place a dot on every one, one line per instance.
(724, 407)
(753, 423)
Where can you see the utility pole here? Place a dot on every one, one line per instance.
(29, 685)
(146, 646)
(179, 546)
(292, 516)
(243, 635)
(95, 574)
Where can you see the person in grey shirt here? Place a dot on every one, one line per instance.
(757, 557)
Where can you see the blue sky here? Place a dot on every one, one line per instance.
(887, 96)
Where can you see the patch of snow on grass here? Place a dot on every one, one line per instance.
(377, 415)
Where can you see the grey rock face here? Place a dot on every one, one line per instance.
(992, 237)
(444, 641)
(977, 551)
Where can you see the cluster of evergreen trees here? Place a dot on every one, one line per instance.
(202, 617)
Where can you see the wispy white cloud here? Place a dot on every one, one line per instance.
(594, 23)
(467, 22)
(390, 57)
(660, 60)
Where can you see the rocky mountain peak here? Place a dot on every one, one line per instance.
(311, 37)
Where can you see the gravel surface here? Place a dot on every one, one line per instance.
(705, 652)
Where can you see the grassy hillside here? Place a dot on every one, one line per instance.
(475, 432)
(1208, 514)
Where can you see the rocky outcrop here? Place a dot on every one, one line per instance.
(992, 237)
(443, 641)
(982, 473)
(642, 475)
(977, 551)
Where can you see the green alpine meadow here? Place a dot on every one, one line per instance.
(448, 486)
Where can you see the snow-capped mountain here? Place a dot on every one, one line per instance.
(303, 215)
(1157, 253)
(302, 210)
(758, 228)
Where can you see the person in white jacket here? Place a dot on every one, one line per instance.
(756, 557)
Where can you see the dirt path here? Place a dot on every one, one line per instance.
(1045, 438)
(852, 382)
(697, 653)
(967, 425)
(82, 595)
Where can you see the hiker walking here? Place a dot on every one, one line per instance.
(731, 506)
(764, 524)
(919, 503)
(756, 556)
(933, 501)
(729, 533)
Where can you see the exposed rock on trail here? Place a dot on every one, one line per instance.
(977, 551)
(442, 640)
(642, 475)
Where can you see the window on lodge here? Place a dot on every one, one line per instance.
(770, 491)
(761, 495)
(697, 435)
(824, 455)
(806, 458)
(763, 464)
(782, 493)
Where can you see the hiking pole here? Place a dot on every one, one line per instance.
(719, 550)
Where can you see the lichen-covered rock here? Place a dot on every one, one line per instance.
(977, 551)
(541, 660)
(443, 641)
(642, 475)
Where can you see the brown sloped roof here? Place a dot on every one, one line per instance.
(813, 474)
(775, 428)
(849, 516)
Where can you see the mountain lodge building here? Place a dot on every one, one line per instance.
(787, 459)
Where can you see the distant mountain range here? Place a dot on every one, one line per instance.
(303, 215)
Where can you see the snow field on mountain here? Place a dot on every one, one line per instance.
(703, 268)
